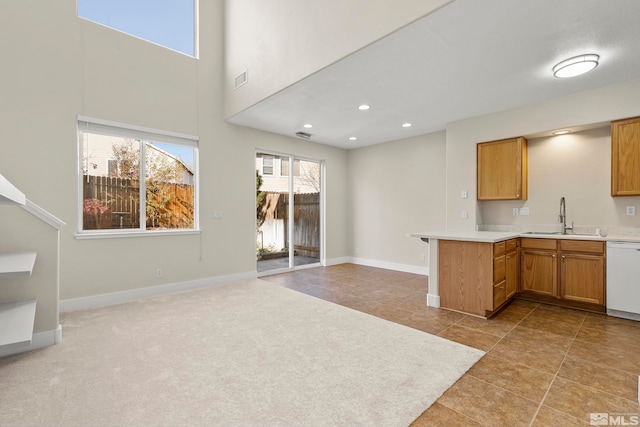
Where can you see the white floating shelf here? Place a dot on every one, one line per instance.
(16, 264)
(16, 322)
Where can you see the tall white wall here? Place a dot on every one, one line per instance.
(280, 42)
(57, 66)
(396, 188)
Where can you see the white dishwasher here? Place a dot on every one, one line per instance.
(623, 279)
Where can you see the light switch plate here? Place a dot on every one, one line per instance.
(524, 211)
(463, 194)
(631, 210)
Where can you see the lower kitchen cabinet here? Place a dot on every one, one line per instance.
(539, 269)
(511, 269)
(564, 272)
(476, 277)
(582, 271)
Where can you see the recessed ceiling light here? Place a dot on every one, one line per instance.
(364, 107)
(575, 66)
(308, 125)
(406, 125)
(353, 138)
(562, 132)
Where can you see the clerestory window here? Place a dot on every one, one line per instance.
(168, 23)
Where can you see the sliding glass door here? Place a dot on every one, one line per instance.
(288, 212)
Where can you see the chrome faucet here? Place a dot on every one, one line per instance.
(562, 218)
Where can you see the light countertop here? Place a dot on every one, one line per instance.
(498, 236)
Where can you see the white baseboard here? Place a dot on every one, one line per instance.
(39, 340)
(337, 261)
(433, 300)
(102, 300)
(134, 294)
(406, 268)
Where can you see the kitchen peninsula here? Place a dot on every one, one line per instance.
(478, 272)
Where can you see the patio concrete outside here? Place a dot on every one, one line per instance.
(277, 263)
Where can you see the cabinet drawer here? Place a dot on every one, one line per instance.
(499, 294)
(499, 268)
(590, 246)
(511, 245)
(527, 242)
(498, 248)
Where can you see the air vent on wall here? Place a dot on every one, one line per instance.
(303, 135)
(241, 79)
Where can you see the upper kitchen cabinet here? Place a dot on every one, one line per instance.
(625, 157)
(502, 170)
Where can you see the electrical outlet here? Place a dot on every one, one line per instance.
(463, 194)
(159, 273)
(631, 210)
(464, 214)
(515, 211)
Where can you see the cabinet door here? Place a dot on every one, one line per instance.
(511, 273)
(582, 277)
(502, 169)
(625, 157)
(539, 271)
(499, 294)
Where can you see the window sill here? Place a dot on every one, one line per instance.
(111, 234)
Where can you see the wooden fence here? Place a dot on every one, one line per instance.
(306, 214)
(115, 203)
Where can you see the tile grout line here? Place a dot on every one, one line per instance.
(556, 376)
(514, 326)
(497, 386)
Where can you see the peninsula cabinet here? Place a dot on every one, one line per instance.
(476, 277)
(563, 272)
(625, 157)
(502, 170)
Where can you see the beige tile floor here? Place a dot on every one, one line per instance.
(545, 365)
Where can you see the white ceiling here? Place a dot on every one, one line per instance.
(467, 59)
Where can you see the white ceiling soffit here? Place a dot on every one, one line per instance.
(467, 59)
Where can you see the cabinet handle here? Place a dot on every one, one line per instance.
(508, 256)
(553, 256)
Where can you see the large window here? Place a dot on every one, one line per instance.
(135, 179)
(169, 23)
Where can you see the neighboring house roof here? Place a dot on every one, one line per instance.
(166, 153)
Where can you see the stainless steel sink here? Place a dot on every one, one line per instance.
(558, 233)
(542, 232)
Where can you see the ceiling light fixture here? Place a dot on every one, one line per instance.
(406, 125)
(364, 107)
(308, 126)
(353, 138)
(562, 132)
(575, 66)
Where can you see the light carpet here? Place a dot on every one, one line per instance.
(244, 354)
